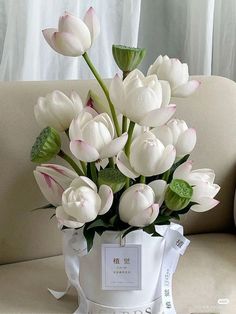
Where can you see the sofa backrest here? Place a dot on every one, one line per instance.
(27, 235)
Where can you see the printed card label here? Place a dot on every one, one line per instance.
(121, 267)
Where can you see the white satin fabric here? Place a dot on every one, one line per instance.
(25, 55)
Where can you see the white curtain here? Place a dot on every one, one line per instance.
(199, 32)
(25, 55)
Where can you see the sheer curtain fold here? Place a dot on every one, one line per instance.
(25, 55)
(199, 32)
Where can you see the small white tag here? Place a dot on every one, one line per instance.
(121, 267)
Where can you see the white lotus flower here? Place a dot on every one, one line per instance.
(177, 133)
(93, 137)
(73, 36)
(82, 203)
(176, 73)
(148, 157)
(144, 100)
(202, 182)
(53, 180)
(57, 110)
(138, 206)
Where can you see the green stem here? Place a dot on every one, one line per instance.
(83, 164)
(166, 175)
(93, 171)
(70, 161)
(142, 179)
(124, 124)
(105, 90)
(111, 163)
(127, 183)
(130, 134)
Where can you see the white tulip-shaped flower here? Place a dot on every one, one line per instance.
(144, 100)
(176, 73)
(57, 110)
(93, 137)
(177, 133)
(148, 157)
(82, 203)
(139, 205)
(202, 182)
(73, 36)
(53, 180)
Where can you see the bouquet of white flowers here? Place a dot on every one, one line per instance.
(129, 162)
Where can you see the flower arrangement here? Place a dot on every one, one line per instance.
(129, 162)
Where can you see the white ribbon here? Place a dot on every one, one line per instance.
(75, 246)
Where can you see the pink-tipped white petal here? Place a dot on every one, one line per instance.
(83, 151)
(205, 204)
(167, 159)
(145, 217)
(159, 188)
(164, 134)
(124, 166)
(48, 36)
(106, 195)
(186, 89)
(186, 142)
(51, 190)
(65, 220)
(92, 22)
(158, 117)
(117, 93)
(77, 102)
(114, 147)
(67, 44)
(183, 171)
(83, 181)
(75, 26)
(166, 93)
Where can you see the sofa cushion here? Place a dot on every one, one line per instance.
(205, 274)
(25, 235)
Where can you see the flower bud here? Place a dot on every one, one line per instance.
(127, 58)
(95, 102)
(178, 194)
(46, 146)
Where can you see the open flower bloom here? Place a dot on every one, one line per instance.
(73, 36)
(202, 182)
(53, 180)
(138, 206)
(176, 73)
(82, 203)
(57, 110)
(177, 133)
(93, 136)
(148, 157)
(144, 100)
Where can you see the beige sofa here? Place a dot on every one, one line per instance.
(30, 244)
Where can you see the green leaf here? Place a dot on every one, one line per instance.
(113, 178)
(128, 230)
(99, 223)
(113, 220)
(48, 206)
(162, 220)
(151, 230)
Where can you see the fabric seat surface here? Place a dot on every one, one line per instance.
(205, 274)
